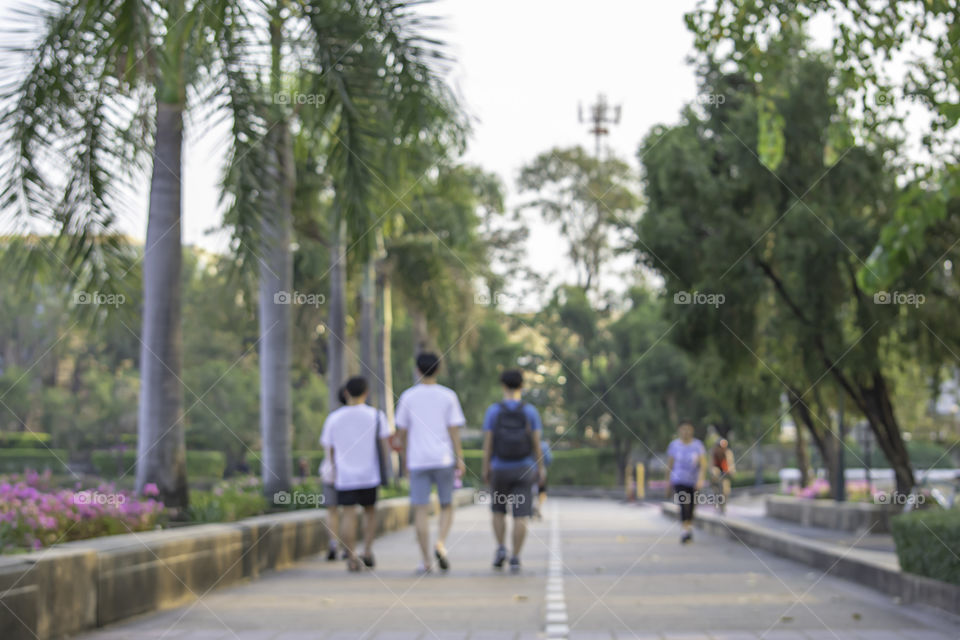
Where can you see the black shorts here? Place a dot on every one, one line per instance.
(362, 497)
(514, 488)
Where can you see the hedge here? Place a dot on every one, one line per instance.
(24, 440)
(585, 467)
(928, 543)
(200, 464)
(314, 458)
(19, 460)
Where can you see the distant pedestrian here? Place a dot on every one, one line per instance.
(721, 466)
(512, 464)
(429, 418)
(328, 479)
(687, 463)
(357, 435)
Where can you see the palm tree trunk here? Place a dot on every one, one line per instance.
(368, 335)
(161, 449)
(384, 333)
(276, 282)
(336, 322)
(421, 337)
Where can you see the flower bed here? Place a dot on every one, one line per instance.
(33, 514)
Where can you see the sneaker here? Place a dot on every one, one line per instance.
(687, 537)
(423, 569)
(331, 555)
(514, 564)
(500, 557)
(442, 561)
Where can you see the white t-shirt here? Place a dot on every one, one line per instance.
(349, 432)
(425, 411)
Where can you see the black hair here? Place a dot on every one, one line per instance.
(685, 421)
(356, 386)
(512, 378)
(428, 364)
(342, 395)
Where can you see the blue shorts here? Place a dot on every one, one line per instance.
(421, 480)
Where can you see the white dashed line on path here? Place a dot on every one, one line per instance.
(555, 619)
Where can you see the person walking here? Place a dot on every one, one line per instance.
(429, 418)
(328, 479)
(512, 464)
(687, 464)
(356, 436)
(721, 466)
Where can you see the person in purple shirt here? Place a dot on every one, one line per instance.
(687, 463)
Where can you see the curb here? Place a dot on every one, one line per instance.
(831, 559)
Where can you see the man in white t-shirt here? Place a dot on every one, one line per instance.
(352, 434)
(429, 418)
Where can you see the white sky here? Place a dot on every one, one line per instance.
(523, 68)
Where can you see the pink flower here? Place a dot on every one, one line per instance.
(150, 489)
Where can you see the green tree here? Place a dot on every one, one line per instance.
(721, 221)
(588, 197)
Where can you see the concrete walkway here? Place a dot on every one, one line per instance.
(598, 569)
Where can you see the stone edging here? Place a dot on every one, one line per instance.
(835, 560)
(81, 585)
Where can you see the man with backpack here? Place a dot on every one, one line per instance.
(512, 464)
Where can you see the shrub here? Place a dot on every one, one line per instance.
(585, 467)
(24, 440)
(314, 458)
(749, 478)
(20, 460)
(111, 463)
(928, 543)
(34, 515)
(228, 501)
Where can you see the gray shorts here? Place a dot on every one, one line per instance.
(513, 488)
(421, 480)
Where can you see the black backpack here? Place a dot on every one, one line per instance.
(512, 439)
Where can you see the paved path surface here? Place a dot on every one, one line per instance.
(597, 570)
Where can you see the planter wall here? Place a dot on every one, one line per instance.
(80, 585)
(843, 516)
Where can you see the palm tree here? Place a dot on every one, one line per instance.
(107, 82)
(367, 73)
